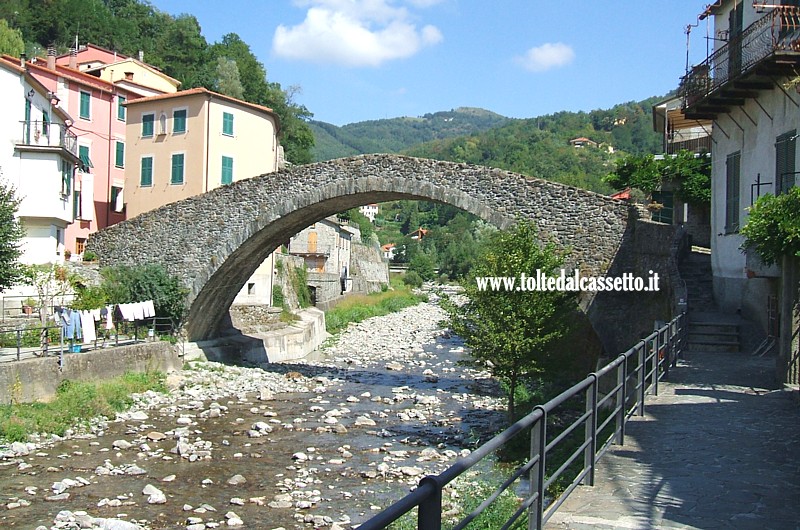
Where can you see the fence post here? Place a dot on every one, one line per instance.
(19, 343)
(622, 381)
(656, 365)
(669, 348)
(537, 473)
(642, 347)
(590, 429)
(429, 515)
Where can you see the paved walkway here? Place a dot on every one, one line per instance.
(718, 448)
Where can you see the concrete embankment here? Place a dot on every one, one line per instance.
(37, 379)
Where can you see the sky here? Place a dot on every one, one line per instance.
(357, 60)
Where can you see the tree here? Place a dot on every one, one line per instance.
(11, 41)
(146, 282)
(689, 171)
(510, 330)
(228, 81)
(773, 226)
(11, 234)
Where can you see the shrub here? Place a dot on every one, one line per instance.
(412, 279)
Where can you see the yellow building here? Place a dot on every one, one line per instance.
(190, 142)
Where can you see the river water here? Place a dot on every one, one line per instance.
(322, 443)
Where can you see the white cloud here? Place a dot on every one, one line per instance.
(547, 56)
(354, 33)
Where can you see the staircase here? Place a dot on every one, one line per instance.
(709, 330)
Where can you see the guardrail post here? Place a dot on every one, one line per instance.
(622, 382)
(429, 515)
(537, 473)
(590, 429)
(656, 360)
(642, 346)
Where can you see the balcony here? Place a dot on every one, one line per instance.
(46, 136)
(767, 49)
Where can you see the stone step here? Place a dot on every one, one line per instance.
(712, 336)
(713, 327)
(713, 346)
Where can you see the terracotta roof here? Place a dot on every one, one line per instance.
(623, 195)
(13, 64)
(388, 246)
(96, 47)
(152, 68)
(204, 91)
(67, 72)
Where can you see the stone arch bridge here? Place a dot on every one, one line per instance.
(215, 241)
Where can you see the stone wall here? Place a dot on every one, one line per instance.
(215, 241)
(284, 271)
(38, 379)
(368, 269)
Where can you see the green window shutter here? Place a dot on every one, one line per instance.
(119, 160)
(177, 169)
(179, 121)
(146, 174)
(227, 123)
(227, 170)
(121, 107)
(785, 149)
(66, 177)
(86, 162)
(76, 204)
(148, 125)
(85, 110)
(27, 125)
(732, 168)
(46, 123)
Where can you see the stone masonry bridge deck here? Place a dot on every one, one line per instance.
(215, 241)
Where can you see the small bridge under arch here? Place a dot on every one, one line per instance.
(215, 241)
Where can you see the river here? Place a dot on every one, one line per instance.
(321, 443)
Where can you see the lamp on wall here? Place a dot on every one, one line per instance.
(30, 94)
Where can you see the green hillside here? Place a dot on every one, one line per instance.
(396, 134)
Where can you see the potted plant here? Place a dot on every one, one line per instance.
(67, 255)
(27, 306)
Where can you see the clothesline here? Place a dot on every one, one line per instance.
(80, 324)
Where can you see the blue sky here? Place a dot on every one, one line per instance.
(358, 60)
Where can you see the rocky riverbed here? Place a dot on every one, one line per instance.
(322, 443)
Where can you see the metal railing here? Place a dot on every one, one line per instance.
(25, 342)
(45, 133)
(777, 31)
(626, 381)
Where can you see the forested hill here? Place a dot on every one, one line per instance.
(536, 146)
(396, 134)
(175, 44)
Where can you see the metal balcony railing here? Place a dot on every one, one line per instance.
(777, 31)
(47, 134)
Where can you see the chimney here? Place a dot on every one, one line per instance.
(51, 57)
(141, 56)
(73, 58)
(22, 58)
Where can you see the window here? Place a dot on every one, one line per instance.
(146, 172)
(732, 167)
(27, 121)
(785, 150)
(76, 204)
(227, 170)
(46, 123)
(178, 121)
(86, 162)
(119, 159)
(148, 125)
(663, 214)
(117, 204)
(177, 169)
(121, 107)
(66, 177)
(227, 123)
(251, 288)
(85, 109)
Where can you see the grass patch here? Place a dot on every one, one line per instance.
(75, 403)
(361, 307)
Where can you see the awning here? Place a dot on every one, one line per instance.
(85, 163)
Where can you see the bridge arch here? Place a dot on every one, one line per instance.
(215, 241)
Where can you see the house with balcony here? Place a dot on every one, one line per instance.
(38, 158)
(185, 143)
(680, 133)
(749, 87)
(369, 211)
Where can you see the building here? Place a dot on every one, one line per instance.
(38, 157)
(369, 211)
(418, 234)
(326, 248)
(748, 86)
(680, 133)
(190, 142)
(99, 124)
(120, 70)
(389, 250)
(582, 142)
